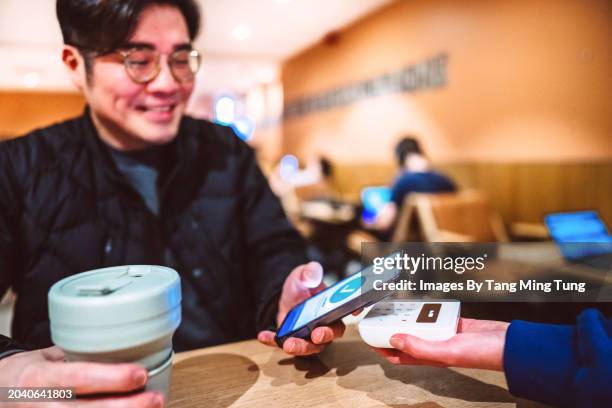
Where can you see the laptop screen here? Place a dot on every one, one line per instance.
(373, 200)
(579, 227)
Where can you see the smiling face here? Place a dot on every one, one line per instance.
(133, 116)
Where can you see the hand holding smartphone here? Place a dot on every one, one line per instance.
(343, 298)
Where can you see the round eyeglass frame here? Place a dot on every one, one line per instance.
(125, 54)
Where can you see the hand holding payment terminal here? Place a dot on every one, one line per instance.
(350, 294)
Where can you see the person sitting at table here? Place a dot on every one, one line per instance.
(134, 180)
(415, 176)
(561, 365)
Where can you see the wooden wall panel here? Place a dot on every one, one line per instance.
(21, 112)
(528, 81)
(519, 191)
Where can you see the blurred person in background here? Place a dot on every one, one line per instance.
(135, 181)
(313, 181)
(415, 176)
(313, 203)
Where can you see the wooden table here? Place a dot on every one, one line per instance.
(327, 212)
(347, 374)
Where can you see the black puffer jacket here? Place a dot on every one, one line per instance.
(65, 209)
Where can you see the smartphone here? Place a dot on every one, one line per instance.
(343, 298)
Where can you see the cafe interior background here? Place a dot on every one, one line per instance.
(509, 98)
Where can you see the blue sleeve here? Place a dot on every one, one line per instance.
(566, 366)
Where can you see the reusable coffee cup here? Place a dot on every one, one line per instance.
(123, 314)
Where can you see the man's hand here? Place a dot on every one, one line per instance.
(303, 282)
(477, 344)
(47, 368)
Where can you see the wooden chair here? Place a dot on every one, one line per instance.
(464, 216)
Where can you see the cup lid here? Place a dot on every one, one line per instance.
(114, 296)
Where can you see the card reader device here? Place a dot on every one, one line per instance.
(429, 320)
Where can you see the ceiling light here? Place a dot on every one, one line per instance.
(244, 128)
(241, 32)
(225, 109)
(31, 79)
(289, 166)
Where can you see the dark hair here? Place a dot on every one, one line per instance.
(102, 26)
(406, 146)
(326, 167)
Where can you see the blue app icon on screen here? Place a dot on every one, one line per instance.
(346, 290)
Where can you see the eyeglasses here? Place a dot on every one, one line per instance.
(143, 64)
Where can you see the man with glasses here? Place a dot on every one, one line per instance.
(135, 181)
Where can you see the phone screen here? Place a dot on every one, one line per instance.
(322, 303)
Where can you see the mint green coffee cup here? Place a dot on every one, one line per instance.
(123, 314)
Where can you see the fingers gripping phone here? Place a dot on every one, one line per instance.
(353, 293)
